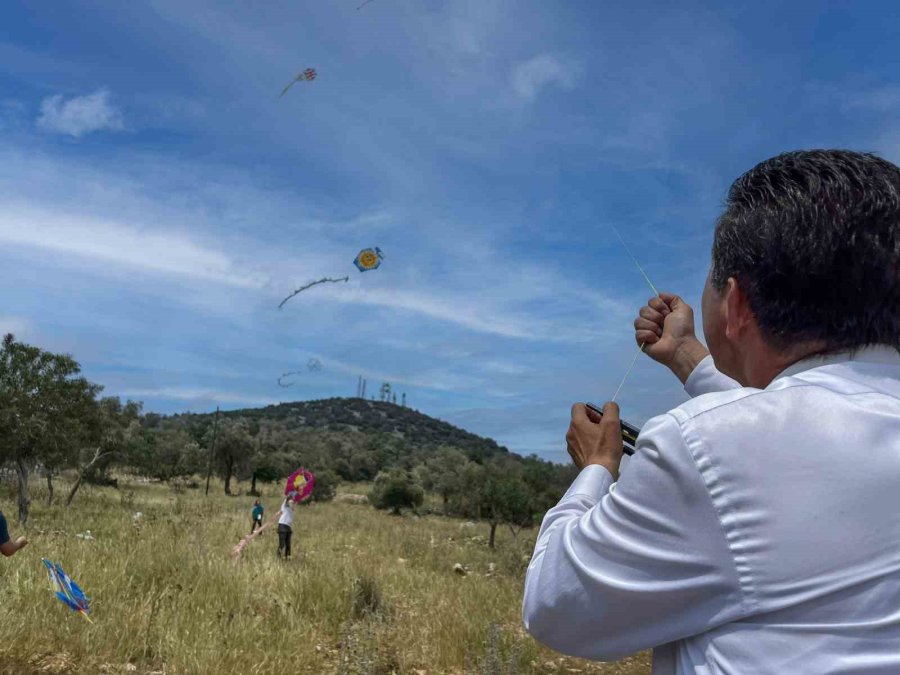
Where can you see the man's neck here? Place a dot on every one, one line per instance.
(763, 364)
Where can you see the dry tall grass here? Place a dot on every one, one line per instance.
(366, 592)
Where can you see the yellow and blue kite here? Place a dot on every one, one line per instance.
(67, 590)
(368, 259)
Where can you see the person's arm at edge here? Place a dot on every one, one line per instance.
(8, 547)
(615, 572)
(665, 328)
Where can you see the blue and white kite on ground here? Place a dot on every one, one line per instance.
(67, 590)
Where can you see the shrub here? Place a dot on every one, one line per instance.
(325, 486)
(396, 489)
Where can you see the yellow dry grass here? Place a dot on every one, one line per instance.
(166, 597)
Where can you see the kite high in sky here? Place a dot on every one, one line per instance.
(311, 284)
(313, 365)
(307, 75)
(284, 376)
(368, 259)
(67, 590)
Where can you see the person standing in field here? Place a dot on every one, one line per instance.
(285, 523)
(755, 529)
(8, 547)
(257, 516)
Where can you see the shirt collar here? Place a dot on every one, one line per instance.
(872, 354)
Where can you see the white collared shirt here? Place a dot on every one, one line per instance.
(753, 531)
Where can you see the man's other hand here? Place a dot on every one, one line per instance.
(595, 439)
(665, 326)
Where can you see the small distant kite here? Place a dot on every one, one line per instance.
(364, 4)
(67, 590)
(307, 75)
(299, 485)
(313, 365)
(285, 376)
(368, 259)
(311, 284)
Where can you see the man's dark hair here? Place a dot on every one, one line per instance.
(813, 239)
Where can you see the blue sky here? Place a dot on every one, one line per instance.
(159, 199)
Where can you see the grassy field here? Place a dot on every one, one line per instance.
(167, 598)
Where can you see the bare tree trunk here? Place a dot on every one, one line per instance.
(253, 486)
(81, 474)
(212, 450)
(228, 481)
(493, 532)
(49, 486)
(24, 500)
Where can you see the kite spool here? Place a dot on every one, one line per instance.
(629, 432)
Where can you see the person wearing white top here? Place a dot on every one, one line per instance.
(756, 529)
(285, 525)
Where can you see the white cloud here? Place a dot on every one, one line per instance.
(467, 311)
(199, 396)
(158, 251)
(79, 115)
(530, 77)
(433, 378)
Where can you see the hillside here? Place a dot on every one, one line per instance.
(417, 430)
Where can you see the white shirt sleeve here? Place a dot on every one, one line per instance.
(705, 379)
(618, 571)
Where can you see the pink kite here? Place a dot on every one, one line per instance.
(299, 485)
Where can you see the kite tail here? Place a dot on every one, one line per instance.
(246, 539)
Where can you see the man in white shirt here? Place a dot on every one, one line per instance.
(757, 527)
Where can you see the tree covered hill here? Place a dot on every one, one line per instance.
(417, 430)
(52, 419)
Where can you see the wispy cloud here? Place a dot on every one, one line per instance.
(80, 115)
(532, 76)
(199, 396)
(433, 378)
(121, 244)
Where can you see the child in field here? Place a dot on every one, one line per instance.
(285, 521)
(257, 516)
(9, 547)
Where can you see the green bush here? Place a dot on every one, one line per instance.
(396, 489)
(325, 486)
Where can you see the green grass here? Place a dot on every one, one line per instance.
(167, 598)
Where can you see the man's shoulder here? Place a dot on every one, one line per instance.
(730, 399)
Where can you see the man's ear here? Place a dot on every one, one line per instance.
(737, 309)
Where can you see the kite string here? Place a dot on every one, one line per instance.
(628, 372)
(634, 260)
(655, 292)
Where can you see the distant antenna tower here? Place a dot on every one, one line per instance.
(385, 391)
(394, 398)
(359, 387)
(403, 400)
(363, 395)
